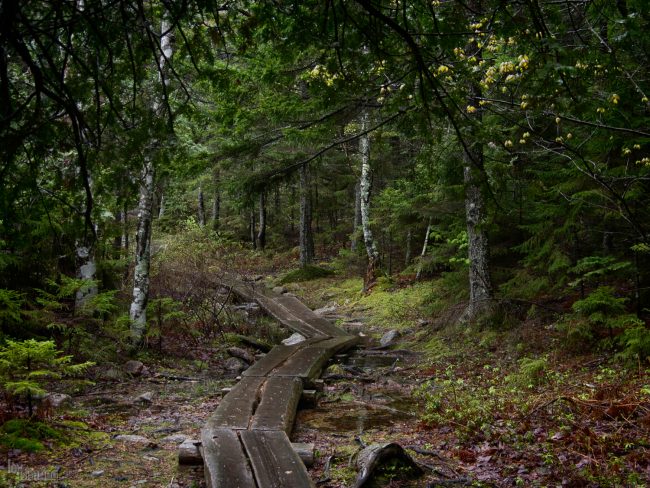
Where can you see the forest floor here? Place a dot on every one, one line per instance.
(494, 407)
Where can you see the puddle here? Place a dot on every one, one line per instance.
(347, 417)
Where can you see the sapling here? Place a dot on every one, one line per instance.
(26, 365)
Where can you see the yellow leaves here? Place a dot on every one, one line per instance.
(506, 67)
(510, 78)
(443, 69)
(637, 146)
(614, 98)
(600, 110)
(645, 161)
(482, 102)
(526, 134)
(523, 62)
(559, 139)
(626, 151)
(471, 109)
(558, 120)
(523, 105)
(522, 141)
(644, 100)
(569, 136)
(508, 143)
(476, 26)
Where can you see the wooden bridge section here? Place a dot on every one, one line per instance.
(246, 440)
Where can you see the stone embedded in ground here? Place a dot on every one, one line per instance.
(235, 365)
(135, 368)
(389, 338)
(240, 353)
(145, 398)
(329, 310)
(97, 473)
(189, 453)
(56, 400)
(174, 439)
(132, 439)
(279, 289)
(294, 338)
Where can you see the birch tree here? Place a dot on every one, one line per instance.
(141, 276)
(365, 184)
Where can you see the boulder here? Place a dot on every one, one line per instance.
(132, 439)
(240, 353)
(135, 368)
(235, 365)
(279, 290)
(145, 398)
(329, 310)
(389, 338)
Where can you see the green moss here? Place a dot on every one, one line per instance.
(307, 273)
(27, 435)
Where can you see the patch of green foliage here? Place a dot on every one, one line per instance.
(26, 365)
(307, 273)
(27, 435)
(598, 318)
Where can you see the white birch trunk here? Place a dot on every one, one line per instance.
(261, 235)
(365, 183)
(141, 277)
(357, 217)
(161, 207)
(138, 311)
(424, 249)
(87, 269)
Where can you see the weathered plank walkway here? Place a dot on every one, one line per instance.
(246, 440)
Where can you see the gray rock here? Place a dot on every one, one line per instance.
(97, 473)
(174, 439)
(132, 439)
(235, 365)
(240, 353)
(145, 398)
(294, 338)
(112, 374)
(57, 400)
(329, 310)
(388, 339)
(279, 289)
(134, 368)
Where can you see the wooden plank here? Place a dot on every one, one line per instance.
(272, 359)
(306, 314)
(285, 317)
(309, 362)
(236, 408)
(224, 460)
(275, 464)
(277, 408)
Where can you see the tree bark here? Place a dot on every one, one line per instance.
(480, 283)
(365, 183)
(138, 310)
(201, 208)
(216, 203)
(141, 277)
(409, 238)
(252, 229)
(356, 224)
(161, 206)
(306, 235)
(261, 235)
(424, 249)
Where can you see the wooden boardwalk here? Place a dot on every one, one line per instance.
(246, 440)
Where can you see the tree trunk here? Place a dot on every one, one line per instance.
(251, 228)
(138, 311)
(141, 278)
(365, 183)
(201, 208)
(86, 270)
(480, 283)
(424, 250)
(216, 203)
(125, 229)
(409, 238)
(357, 217)
(161, 206)
(306, 236)
(261, 235)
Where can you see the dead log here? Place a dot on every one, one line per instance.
(371, 459)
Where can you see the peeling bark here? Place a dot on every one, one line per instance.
(365, 183)
(138, 310)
